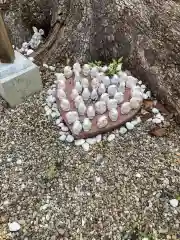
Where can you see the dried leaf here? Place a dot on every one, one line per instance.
(162, 108)
(178, 154)
(158, 132)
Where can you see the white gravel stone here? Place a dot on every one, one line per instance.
(85, 146)
(65, 129)
(62, 138)
(134, 122)
(49, 92)
(97, 179)
(79, 142)
(155, 111)
(29, 51)
(145, 96)
(91, 141)
(149, 120)
(129, 125)
(45, 65)
(55, 114)
(122, 130)
(148, 93)
(98, 138)
(174, 202)
(156, 120)
(52, 68)
(19, 162)
(69, 138)
(61, 133)
(14, 227)
(111, 137)
(58, 121)
(143, 86)
(51, 99)
(138, 175)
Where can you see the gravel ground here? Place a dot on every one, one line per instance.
(117, 190)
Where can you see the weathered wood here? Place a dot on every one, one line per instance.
(6, 50)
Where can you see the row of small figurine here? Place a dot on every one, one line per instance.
(100, 107)
(99, 80)
(102, 121)
(86, 70)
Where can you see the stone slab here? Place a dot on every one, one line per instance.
(122, 119)
(19, 80)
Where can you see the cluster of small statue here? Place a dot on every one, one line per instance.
(36, 39)
(95, 93)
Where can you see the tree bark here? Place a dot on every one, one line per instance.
(146, 33)
(6, 50)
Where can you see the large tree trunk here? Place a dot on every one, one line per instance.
(146, 33)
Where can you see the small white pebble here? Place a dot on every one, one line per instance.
(104, 137)
(79, 142)
(143, 86)
(160, 116)
(70, 138)
(45, 65)
(62, 138)
(149, 120)
(6, 202)
(122, 130)
(61, 124)
(14, 227)
(97, 179)
(64, 129)
(140, 82)
(19, 161)
(52, 68)
(62, 133)
(49, 92)
(111, 137)
(138, 175)
(98, 138)
(91, 141)
(48, 112)
(85, 146)
(51, 99)
(174, 202)
(156, 120)
(148, 93)
(29, 51)
(31, 59)
(54, 106)
(58, 121)
(145, 238)
(9, 159)
(129, 125)
(155, 110)
(54, 114)
(134, 122)
(145, 96)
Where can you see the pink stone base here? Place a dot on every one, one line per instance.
(122, 119)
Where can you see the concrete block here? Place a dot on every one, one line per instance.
(19, 80)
